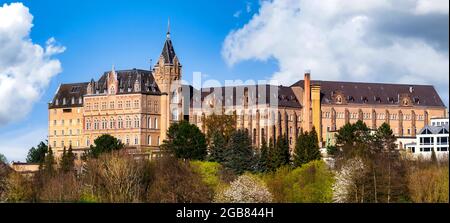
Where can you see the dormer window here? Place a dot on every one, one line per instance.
(112, 90)
(80, 100)
(56, 102)
(73, 100)
(339, 99)
(64, 101)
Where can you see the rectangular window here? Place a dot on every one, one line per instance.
(111, 105)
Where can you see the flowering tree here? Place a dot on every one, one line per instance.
(346, 184)
(245, 189)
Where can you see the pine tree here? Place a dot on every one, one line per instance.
(67, 160)
(239, 153)
(263, 163)
(217, 148)
(281, 154)
(49, 162)
(300, 152)
(270, 155)
(313, 148)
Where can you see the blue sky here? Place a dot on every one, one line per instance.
(232, 39)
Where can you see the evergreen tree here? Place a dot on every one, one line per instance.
(239, 153)
(67, 160)
(37, 155)
(185, 141)
(263, 162)
(217, 148)
(104, 144)
(281, 154)
(300, 151)
(270, 155)
(313, 146)
(49, 162)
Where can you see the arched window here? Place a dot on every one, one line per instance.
(254, 135)
(88, 124)
(156, 123)
(120, 122)
(104, 123)
(136, 140)
(149, 122)
(157, 142)
(175, 114)
(149, 140)
(128, 122)
(127, 140)
(112, 90)
(112, 123)
(95, 124)
(136, 122)
(175, 96)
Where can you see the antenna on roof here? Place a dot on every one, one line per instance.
(151, 61)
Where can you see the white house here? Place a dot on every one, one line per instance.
(431, 137)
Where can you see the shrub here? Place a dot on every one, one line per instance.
(246, 188)
(429, 184)
(310, 183)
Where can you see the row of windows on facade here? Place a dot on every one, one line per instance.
(430, 140)
(129, 123)
(428, 149)
(127, 141)
(368, 116)
(62, 132)
(72, 101)
(153, 106)
(71, 122)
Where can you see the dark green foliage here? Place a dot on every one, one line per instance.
(217, 148)
(280, 155)
(67, 160)
(185, 141)
(306, 148)
(264, 159)
(239, 153)
(37, 155)
(49, 162)
(104, 144)
(332, 150)
(384, 176)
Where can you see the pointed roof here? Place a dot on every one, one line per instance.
(168, 52)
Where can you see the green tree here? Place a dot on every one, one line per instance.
(313, 148)
(264, 159)
(222, 124)
(311, 183)
(67, 160)
(49, 162)
(217, 148)
(3, 158)
(300, 150)
(280, 155)
(239, 152)
(185, 141)
(104, 144)
(37, 155)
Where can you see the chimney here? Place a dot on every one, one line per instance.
(307, 101)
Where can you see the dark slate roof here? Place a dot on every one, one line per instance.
(71, 94)
(168, 52)
(127, 79)
(285, 96)
(422, 95)
(434, 129)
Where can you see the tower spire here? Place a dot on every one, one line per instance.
(168, 28)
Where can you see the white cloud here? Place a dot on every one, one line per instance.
(337, 40)
(25, 68)
(432, 6)
(24, 139)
